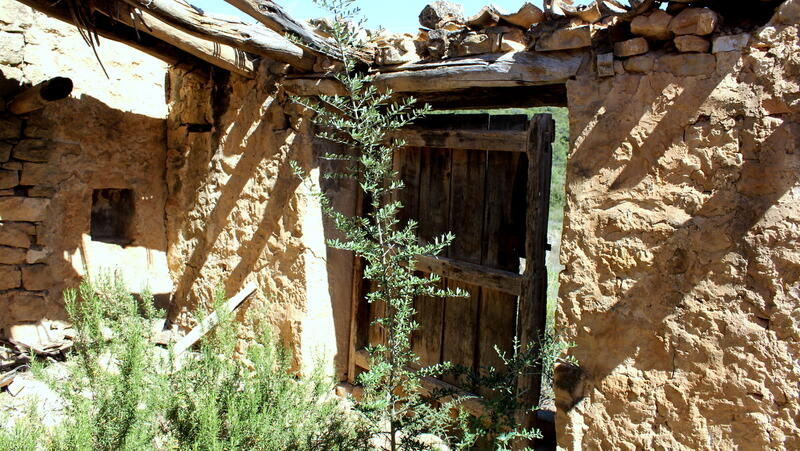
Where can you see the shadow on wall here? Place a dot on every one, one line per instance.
(237, 213)
(676, 188)
(63, 155)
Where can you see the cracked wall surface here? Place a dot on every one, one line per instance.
(681, 287)
(236, 212)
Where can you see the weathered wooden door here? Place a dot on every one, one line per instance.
(486, 179)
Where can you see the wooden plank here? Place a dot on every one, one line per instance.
(503, 141)
(470, 402)
(220, 55)
(466, 222)
(275, 18)
(510, 69)
(434, 201)
(407, 164)
(533, 303)
(503, 239)
(253, 38)
(475, 274)
(210, 321)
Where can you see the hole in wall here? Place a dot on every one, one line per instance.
(112, 216)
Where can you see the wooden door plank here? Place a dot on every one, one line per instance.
(406, 162)
(496, 141)
(466, 222)
(503, 241)
(434, 202)
(533, 303)
(358, 305)
(472, 273)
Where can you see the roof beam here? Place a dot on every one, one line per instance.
(275, 18)
(115, 31)
(220, 55)
(253, 38)
(484, 71)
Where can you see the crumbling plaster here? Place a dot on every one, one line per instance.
(236, 212)
(681, 287)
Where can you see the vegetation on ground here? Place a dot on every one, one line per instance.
(123, 393)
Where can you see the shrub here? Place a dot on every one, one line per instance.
(255, 403)
(114, 392)
(122, 393)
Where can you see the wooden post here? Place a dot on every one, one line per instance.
(355, 297)
(38, 96)
(533, 302)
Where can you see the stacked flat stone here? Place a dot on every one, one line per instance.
(685, 36)
(24, 275)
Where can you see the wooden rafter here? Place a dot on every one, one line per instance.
(220, 55)
(271, 15)
(116, 31)
(253, 38)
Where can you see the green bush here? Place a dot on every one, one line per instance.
(122, 393)
(255, 402)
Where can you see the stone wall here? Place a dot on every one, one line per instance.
(237, 213)
(109, 134)
(681, 287)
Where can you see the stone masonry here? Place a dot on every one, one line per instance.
(681, 287)
(109, 134)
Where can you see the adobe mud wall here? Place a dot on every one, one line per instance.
(109, 134)
(237, 213)
(681, 287)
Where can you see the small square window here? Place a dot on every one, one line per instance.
(112, 216)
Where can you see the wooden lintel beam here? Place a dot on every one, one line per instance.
(253, 38)
(484, 71)
(504, 141)
(469, 401)
(495, 279)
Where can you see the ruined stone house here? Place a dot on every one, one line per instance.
(681, 287)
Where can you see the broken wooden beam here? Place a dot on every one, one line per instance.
(495, 140)
(210, 321)
(272, 16)
(38, 96)
(220, 55)
(253, 38)
(484, 276)
(469, 401)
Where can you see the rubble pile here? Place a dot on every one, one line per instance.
(616, 31)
